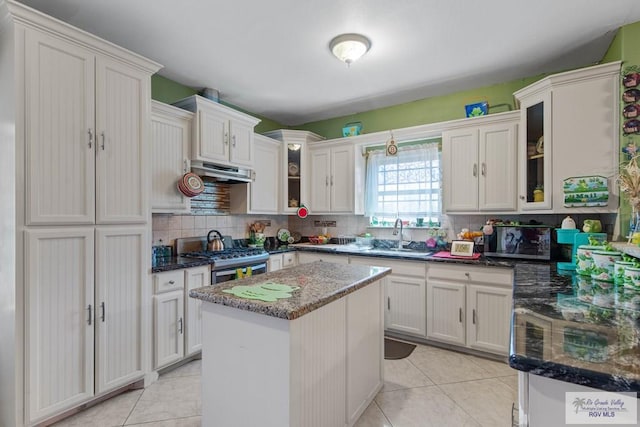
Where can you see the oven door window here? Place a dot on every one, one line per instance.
(235, 273)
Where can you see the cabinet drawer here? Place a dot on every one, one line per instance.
(288, 259)
(398, 267)
(168, 281)
(489, 275)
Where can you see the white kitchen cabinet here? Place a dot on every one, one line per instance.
(121, 274)
(332, 176)
(195, 277)
(576, 113)
(470, 306)
(221, 135)
(446, 312)
(169, 327)
(86, 132)
(262, 195)
(82, 314)
(170, 140)
(295, 170)
(479, 165)
(307, 257)
(283, 260)
(405, 296)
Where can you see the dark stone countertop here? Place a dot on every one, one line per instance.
(573, 328)
(175, 263)
(319, 284)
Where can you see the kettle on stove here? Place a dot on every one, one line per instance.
(215, 243)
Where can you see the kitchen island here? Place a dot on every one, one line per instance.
(570, 333)
(314, 358)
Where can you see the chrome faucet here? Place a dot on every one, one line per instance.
(395, 232)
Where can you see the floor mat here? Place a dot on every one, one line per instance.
(394, 350)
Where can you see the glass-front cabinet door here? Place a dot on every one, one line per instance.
(295, 169)
(535, 152)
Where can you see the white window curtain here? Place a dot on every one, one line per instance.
(406, 185)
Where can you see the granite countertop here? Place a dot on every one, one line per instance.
(175, 263)
(320, 283)
(575, 329)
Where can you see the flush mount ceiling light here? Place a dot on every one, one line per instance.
(349, 47)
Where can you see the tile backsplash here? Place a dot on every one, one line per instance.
(170, 227)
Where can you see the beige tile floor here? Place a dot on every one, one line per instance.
(431, 387)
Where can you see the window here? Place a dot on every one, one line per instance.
(407, 185)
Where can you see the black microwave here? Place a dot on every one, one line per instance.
(519, 241)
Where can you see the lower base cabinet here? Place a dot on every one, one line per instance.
(470, 306)
(307, 257)
(84, 320)
(177, 318)
(283, 260)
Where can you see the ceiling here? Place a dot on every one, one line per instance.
(272, 57)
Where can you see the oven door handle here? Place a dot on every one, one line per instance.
(233, 271)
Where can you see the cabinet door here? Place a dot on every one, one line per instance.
(405, 305)
(446, 312)
(489, 318)
(168, 328)
(535, 149)
(59, 320)
(498, 162)
(241, 140)
(60, 132)
(289, 259)
(196, 277)
(264, 188)
(275, 262)
(320, 180)
(460, 169)
(341, 179)
(212, 140)
(122, 117)
(170, 139)
(119, 304)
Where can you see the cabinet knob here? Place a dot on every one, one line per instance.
(468, 275)
(521, 197)
(172, 282)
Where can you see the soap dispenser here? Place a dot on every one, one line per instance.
(568, 223)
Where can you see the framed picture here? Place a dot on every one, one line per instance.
(462, 248)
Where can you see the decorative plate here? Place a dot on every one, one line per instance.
(283, 235)
(586, 191)
(193, 182)
(296, 236)
(184, 190)
(293, 169)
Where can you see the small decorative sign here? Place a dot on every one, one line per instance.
(392, 147)
(462, 248)
(477, 109)
(587, 191)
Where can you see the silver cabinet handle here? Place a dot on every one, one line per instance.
(226, 138)
(102, 135)
(475, 169)
(185, 168)
(171, 282)
(234, 140)
(253, 175)
(326, 181)
(388, 303)
(90, 137)
(460, 314)
(90, 316)
(332, 180)
(484, 169)
(468, 275)
(103, 311)
(474, 316)
(180, 327)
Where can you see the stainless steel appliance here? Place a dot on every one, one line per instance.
(521, 241)
(228, 263)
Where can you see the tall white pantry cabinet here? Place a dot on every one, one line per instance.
(75, 261)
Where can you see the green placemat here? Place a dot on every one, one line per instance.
(268, 291)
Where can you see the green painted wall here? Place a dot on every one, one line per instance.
(168, 91)
(429, 110)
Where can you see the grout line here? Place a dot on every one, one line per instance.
(134, 407)
(382, 412)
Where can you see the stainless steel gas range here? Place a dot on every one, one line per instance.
(227, 264)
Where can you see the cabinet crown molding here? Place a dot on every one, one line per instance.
(197, 102)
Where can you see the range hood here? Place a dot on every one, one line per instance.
(222, 174)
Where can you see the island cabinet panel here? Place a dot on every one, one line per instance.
(321, 369)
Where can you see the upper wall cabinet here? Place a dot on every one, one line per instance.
(295, 168)
(170, 140)
(86, 134)
(221, 134)
(479, 164)
(261, 196)
(570, 129)
(332, 173)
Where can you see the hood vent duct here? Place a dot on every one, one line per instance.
(222, 174)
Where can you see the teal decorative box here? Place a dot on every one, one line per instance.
(478, 109)
(352, 129)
